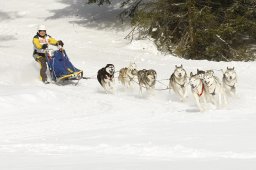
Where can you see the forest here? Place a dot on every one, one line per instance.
(216, 30)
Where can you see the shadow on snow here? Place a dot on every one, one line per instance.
(91, 15)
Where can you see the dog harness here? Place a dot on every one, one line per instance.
(110, 77)
(213, 93)
(232, 87)
(174, 78)
(200, 94)
(181, 85)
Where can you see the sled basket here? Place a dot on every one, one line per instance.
(60, 66)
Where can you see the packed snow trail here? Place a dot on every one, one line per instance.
(81, 127)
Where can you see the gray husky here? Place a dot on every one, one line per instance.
(147, 79)
(229, 81)
(214, 89)
(179, 81)
(127, 74)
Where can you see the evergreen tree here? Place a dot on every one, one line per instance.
(99, 2)
(196, 29)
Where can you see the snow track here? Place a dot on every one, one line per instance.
(81, 127)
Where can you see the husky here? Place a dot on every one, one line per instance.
(127, 74)
(147, 79)
(200, 73)
(105, 77)
(178, 82)
(229, 81)
(214, 88)
(198, 90)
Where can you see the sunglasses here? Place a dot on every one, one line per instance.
(42, 31)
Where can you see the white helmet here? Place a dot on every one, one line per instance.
(41, 27)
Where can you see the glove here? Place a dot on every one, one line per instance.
(44, 46)
(60, 43)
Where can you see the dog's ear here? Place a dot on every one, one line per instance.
(191, 74)
(176, 66)
(233, 68)
(181, 66)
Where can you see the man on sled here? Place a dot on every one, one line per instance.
(58, 62)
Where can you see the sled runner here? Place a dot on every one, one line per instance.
(60, 67)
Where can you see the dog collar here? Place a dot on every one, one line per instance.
(181, 85)
(232, 87)
(174, 78)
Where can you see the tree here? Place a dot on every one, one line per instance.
(220, 30)
(99, 2)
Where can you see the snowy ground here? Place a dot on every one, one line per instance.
(80, 127)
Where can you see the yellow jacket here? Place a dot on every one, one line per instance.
(38, 42)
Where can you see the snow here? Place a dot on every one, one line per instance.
(81, 127)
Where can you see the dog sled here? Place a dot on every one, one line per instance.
(61, 69)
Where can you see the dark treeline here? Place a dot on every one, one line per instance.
(220, 30)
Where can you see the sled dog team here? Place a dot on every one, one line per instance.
(205, 85)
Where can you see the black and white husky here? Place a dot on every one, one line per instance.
(200, 73)
(147, 79)
(179, 81)
(127, 74)
(214, 89)
(229, 81)
(198, 90)
(105, 77)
